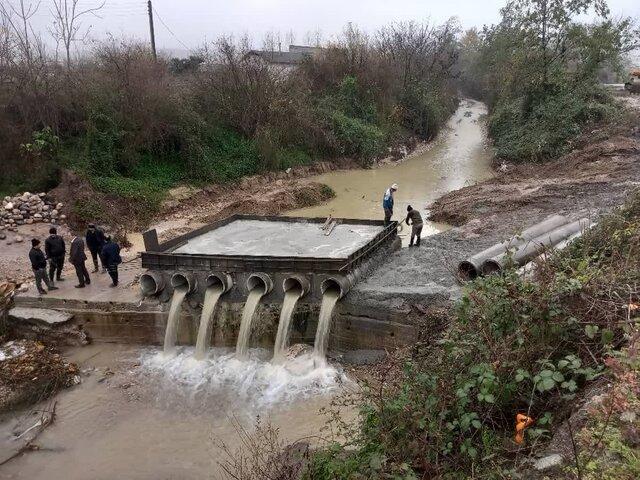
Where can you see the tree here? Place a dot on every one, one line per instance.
(67, 23)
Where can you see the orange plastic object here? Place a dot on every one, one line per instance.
(522, 422)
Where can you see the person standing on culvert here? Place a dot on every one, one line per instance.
(55, 250)
(416, 225)
(111, 259)
(39, 266)
(77, 257)
(387, 203)
(95, 242)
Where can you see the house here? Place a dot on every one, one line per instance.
(295, 56)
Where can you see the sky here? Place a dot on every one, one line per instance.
(184, 25)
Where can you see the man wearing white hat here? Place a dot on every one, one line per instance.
(387, 203)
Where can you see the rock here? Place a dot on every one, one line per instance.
(18, 239)
(29, 221)
(550, 461)
(39, 316)
(46, 208)
(63, 217)
(42, 194)
(59, 206)
(54, 213)
(37, 216)
(3, 236)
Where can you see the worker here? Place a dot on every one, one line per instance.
(95, 242)
(111, 258)
(77, 257)
(55, 250)
(39, 266)
(387, 203)
(415, 220)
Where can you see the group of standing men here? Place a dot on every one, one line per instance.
(100, 246)
(413, 216)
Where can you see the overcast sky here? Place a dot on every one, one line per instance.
(185, 24)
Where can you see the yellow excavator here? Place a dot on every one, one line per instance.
(633, 85)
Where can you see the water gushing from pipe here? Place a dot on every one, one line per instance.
(211, 297)
(291, 298)
(170, 335)
(258, 285)
(330, 297)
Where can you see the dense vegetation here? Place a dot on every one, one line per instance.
(538, 71)
(134, 126)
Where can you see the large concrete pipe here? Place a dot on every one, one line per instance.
(531, 249)
(222, 280)
(296, 281)
(260, 281)
(184, 279)
(151, 283)
(471, 267)
(341, 283)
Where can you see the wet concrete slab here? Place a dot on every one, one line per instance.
(281, 239)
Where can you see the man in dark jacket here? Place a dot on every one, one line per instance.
(111, 259)
(415, 220)
(77, 257)
(95, 242)
(39, 266)
(55, 249)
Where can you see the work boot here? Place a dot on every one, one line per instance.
(59, 279)
(42, 292)
(79, 286)
(53, 288)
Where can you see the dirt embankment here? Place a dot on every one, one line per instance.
(598, 175)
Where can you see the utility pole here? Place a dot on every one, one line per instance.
(153, 35)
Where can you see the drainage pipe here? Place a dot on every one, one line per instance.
(341, 283)
(151, 283)
(471, 267)
(297, 281)
(223, 280)
(260, 281)
(186, 279)
(534, 247)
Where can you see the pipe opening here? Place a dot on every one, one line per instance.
(183, 280)
(222, 281)
(261, 282)
(490, 267)
(337, 286)
(296, 283)
(151, 283)
(467, 270)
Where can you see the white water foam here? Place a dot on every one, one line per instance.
(222, 380)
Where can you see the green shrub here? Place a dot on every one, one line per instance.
(541, 126)
(425, 110)
(355, 137)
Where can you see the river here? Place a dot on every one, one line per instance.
(459, 156)
(137, 416)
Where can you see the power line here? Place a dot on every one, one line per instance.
(168, 29)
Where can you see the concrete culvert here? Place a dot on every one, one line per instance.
(151, 283)
(222, 280)
(341, 285)
(187, 280)
(260, 281)
(297, 282)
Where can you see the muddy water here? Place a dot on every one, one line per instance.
(459, 157)
(329, 299)
(211, 297)
(163, 418)
(244, 334)
(291, 298)
(174, 317)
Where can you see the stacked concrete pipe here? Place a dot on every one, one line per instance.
(260, 280)
(471, 267)
(151, 284)
(535, 246)
(341, 283)
(296, 281)
(184, 279)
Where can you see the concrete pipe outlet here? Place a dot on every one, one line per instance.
(184, 280)
(261, 282)
(341, 285)
(298, 283)
(151, 283)
(222, 281)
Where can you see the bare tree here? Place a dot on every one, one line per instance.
(67, 25)
(16, 24)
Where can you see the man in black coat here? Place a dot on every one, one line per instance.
(111, 258)
(39, 266)
(95, 242)
(55, 249)
(77, 257)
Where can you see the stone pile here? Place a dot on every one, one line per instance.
(29, 208)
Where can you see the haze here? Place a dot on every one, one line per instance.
(185, 25)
